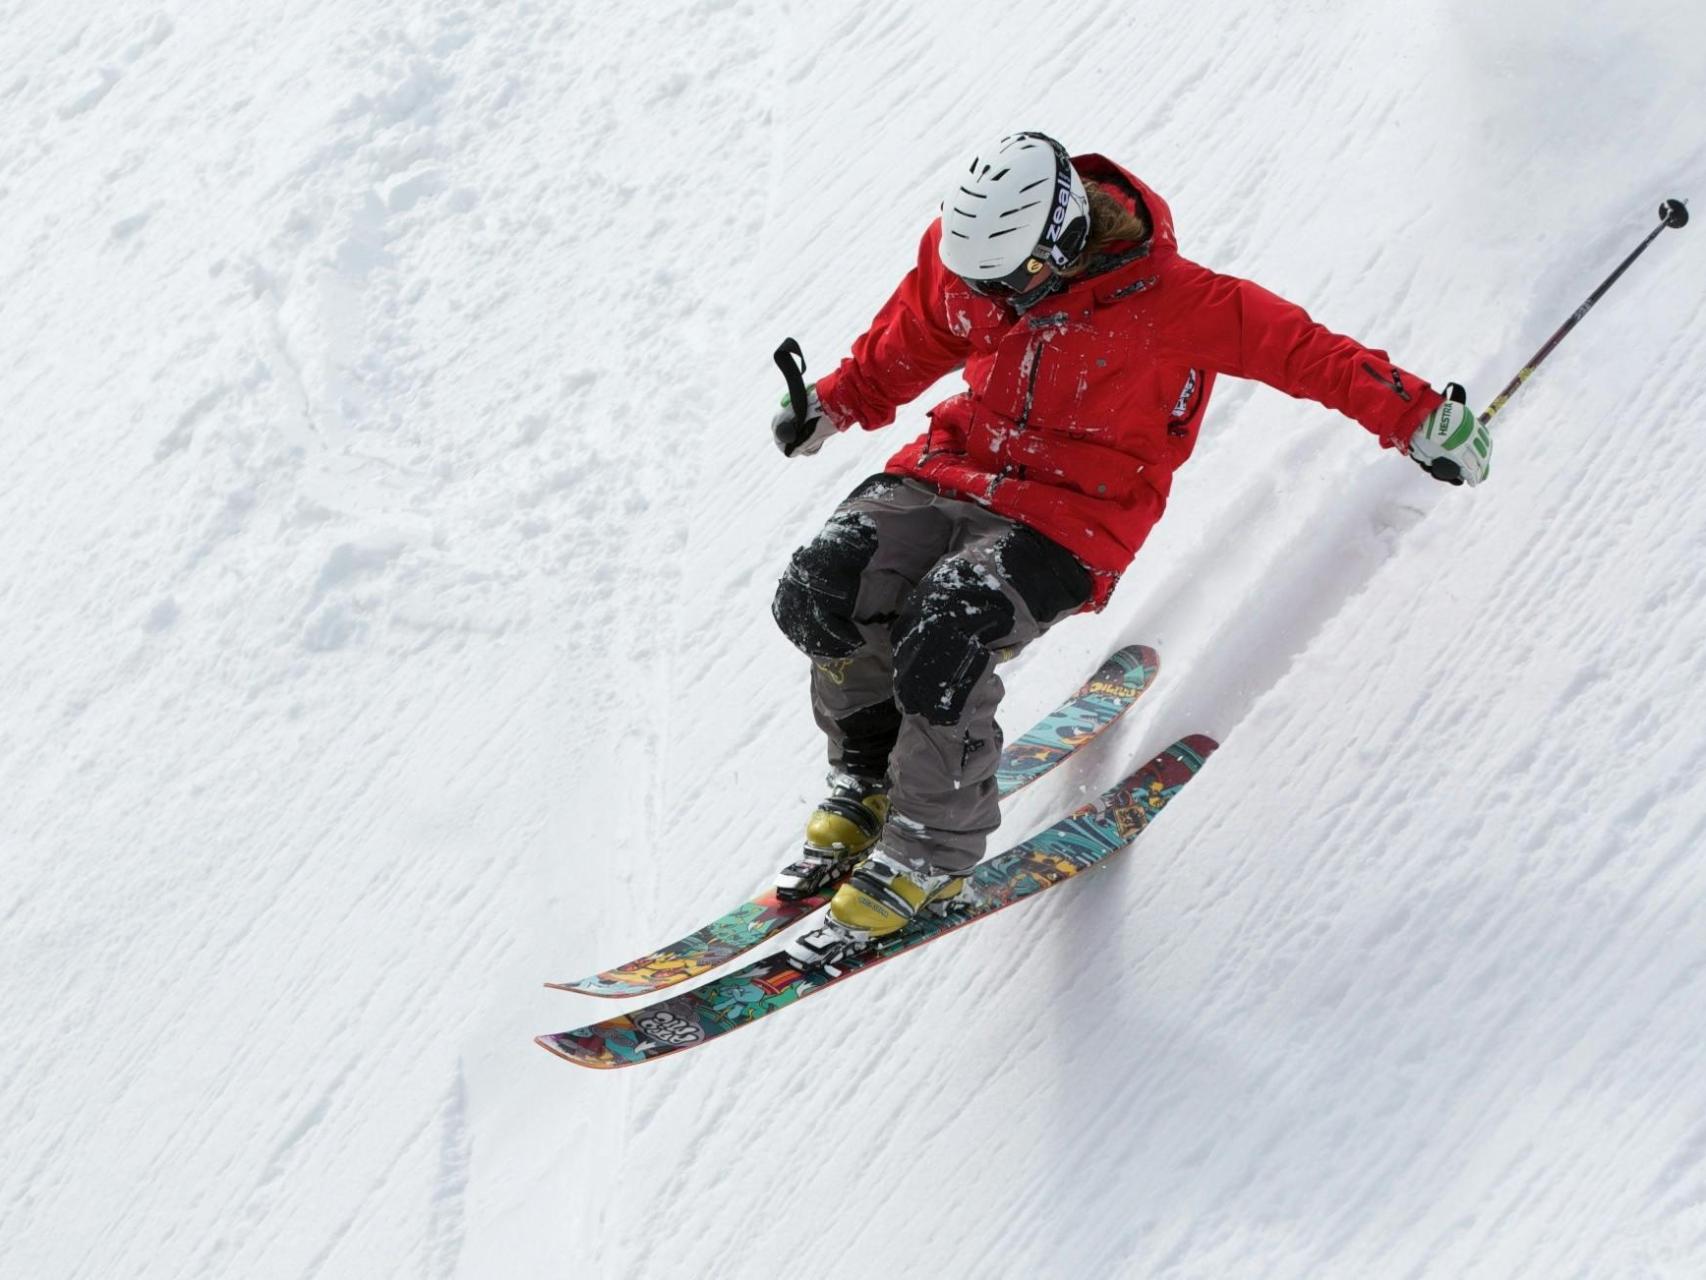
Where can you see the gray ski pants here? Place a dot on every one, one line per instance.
(905, 602)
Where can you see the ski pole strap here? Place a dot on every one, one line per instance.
(1672, 213)
(786, 355)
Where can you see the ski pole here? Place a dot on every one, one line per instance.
(790, 434)
(1672, 213)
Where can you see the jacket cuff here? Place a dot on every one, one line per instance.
(841, 415)
(1405, 428)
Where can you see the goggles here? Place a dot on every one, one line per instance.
(1017, 281)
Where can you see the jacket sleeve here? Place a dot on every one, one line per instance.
(1239, 328)
(906, 349)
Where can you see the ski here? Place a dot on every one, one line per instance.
(1102, 700)
(1074, 844)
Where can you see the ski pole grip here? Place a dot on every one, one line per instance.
(791, 434)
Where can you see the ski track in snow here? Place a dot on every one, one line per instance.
(391, 529)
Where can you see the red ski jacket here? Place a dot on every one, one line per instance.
(1077, 413)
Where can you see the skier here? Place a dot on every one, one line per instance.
(1089, 348)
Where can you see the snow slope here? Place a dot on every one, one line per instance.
(389, 527)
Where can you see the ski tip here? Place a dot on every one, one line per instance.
(1200, 743)
(1127, 671)
(1138, 655)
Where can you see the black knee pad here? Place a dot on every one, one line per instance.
(942, 639)
(1048, 578)
(814, 601)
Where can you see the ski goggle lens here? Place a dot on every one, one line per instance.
(1016, 281)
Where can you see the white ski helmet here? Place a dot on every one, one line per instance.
(1018, 205)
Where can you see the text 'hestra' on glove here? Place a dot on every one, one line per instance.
(1450, 444)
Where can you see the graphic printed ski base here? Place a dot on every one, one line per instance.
(1073, 844)
(1105, 697)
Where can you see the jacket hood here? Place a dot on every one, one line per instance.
(1097, 168)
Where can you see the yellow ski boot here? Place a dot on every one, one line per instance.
(882, 897)
(840, 831)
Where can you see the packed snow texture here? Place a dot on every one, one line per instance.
(390, 522)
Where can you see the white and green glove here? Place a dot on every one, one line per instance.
(801, 435)
(1450, 444)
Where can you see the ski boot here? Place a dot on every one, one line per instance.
(840, 832)
(882, 898)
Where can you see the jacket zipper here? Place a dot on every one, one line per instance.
(1040, 345)
(1031, 384)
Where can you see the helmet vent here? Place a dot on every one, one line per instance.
(1024, 184)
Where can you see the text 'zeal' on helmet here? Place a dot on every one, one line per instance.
(1018, 205)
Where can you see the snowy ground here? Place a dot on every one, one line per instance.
(389, 527)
